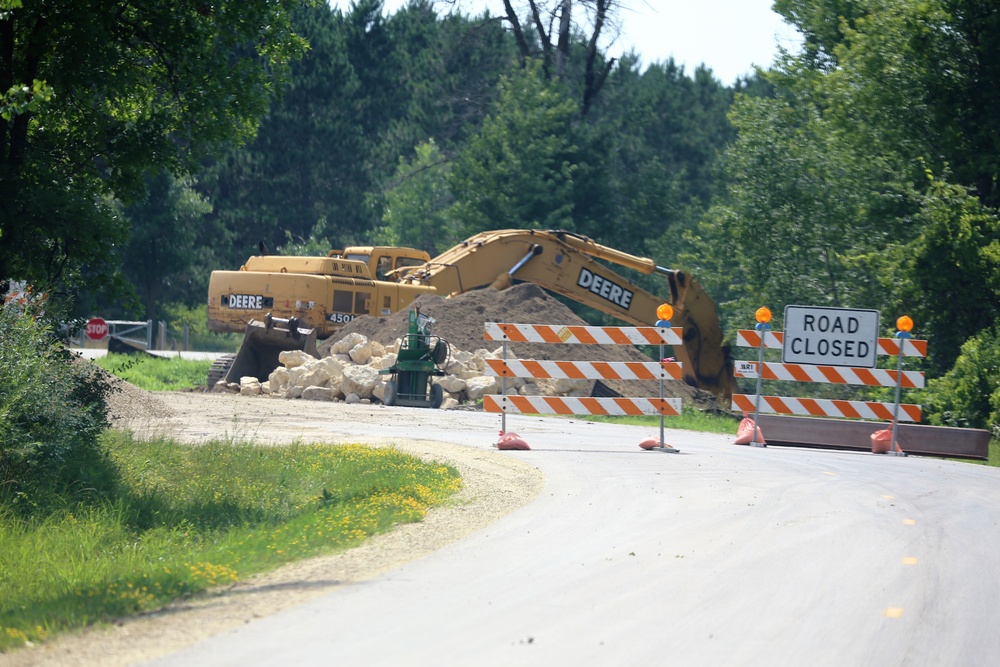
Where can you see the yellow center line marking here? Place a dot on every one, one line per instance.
(831, 474)
(888, 497)
(909, 560)
(909, 522)
(893, 612)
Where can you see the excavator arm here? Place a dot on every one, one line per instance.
(564, 263)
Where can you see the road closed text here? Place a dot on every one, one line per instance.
(830, 336)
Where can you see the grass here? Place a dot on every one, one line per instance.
(175, 520)
(154, 373)
(690, 420)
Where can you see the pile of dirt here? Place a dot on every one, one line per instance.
(460, 321)
(128, 405)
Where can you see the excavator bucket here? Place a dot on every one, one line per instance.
(263, 341)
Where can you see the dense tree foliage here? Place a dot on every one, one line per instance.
(161, 251)
(108, 91)
(848, 186)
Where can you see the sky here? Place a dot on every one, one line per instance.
(729, 36)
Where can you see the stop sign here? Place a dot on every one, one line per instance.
(97, 329)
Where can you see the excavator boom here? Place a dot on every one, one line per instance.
(564, 263)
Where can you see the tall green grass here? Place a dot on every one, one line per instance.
(690, 420)
(154, 373)
(174, 520)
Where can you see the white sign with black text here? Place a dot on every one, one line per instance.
(830, 336)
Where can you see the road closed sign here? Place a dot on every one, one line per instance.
(830, 336)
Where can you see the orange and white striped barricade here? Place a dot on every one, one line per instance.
(871, 377)
(592, 370)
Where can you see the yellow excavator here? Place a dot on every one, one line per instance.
(285, 302)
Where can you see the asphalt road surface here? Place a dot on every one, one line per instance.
(718, 555)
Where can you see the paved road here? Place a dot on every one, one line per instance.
(719, 555)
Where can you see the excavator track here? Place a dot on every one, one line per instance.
(219, 369)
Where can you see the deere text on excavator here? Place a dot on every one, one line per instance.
(286, 302)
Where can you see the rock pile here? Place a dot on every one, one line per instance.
(351, 374)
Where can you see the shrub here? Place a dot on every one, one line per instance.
(52, 410)
(968, 395)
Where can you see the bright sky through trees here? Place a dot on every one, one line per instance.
(729, 36)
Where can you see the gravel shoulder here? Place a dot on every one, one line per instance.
(493, 486)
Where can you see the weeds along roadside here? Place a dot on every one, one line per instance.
(154, 373)
(163, 521)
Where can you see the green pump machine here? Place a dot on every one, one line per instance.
(417, 362)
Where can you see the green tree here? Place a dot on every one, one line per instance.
(953, 271)
(518, 169)
(549, 34)
(160, 85)
(968, 395)
(924, 75)
(666, 130)
(159, 255)
(306, 169)
(417, 205)
(827, 186)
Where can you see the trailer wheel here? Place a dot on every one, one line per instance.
(390, 393)
(437, 396)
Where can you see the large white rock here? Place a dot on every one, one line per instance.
(565, 387)
(360, 380)
(478, 387)
(460, 356)
(477, 359)
(451, 384)
(467, 373)
(318, 394)
(278, 379)
(449, 403)
(347, 343)
(309, 375)
(249, 386)
(294, 391)
(362, 352)
(222, 387)
(293, 358)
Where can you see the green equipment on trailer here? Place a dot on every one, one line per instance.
(417, 362)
